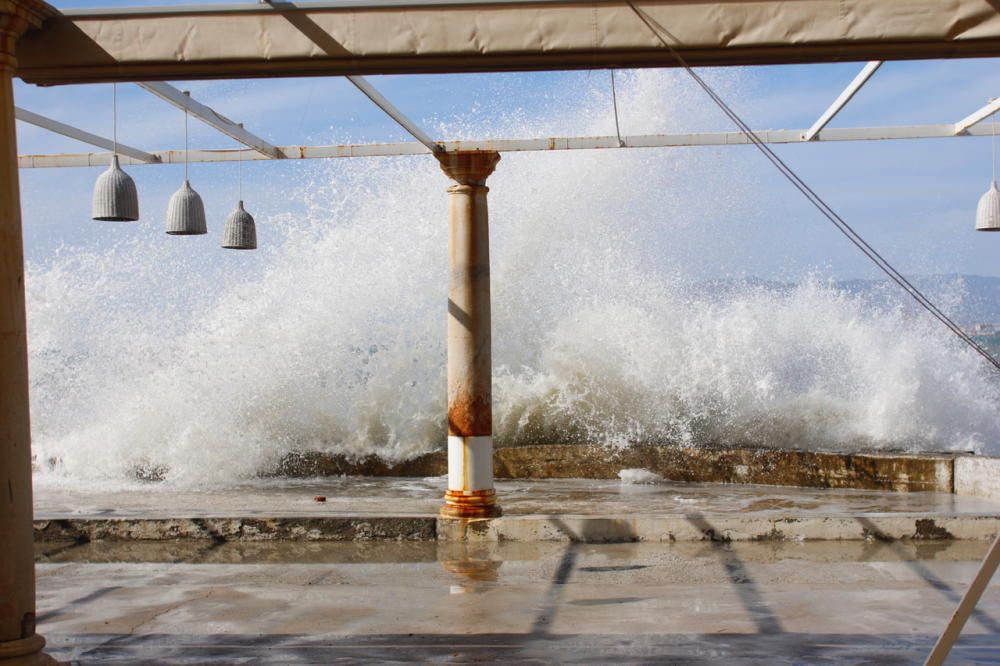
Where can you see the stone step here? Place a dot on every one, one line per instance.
(578, 528)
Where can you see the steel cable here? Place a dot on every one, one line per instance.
(614, 104)
(825, 209)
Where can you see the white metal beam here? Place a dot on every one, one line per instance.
(972, 119)
(210, 117)
(966, 606)
(520, 145)
(84, 136)
(315, 33)
(842, 100)
(381, 102)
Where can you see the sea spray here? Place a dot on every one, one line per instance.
(156, 357)
(639, 477)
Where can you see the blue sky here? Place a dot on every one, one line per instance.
(914, 200)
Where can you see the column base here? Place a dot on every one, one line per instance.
(471, 504)
(25, 652)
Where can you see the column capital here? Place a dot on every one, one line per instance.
(471, 167)
(17, 17)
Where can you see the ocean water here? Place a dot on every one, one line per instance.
(146, 355)
(990, 342)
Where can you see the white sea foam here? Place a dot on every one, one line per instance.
(639, 477)
(208, 367)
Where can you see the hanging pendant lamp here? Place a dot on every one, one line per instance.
(186, 212)
(988, 211)
(241, 230)
(115, 196)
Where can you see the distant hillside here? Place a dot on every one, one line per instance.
(967, 299)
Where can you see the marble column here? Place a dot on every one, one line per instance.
(470, 491)
(19, 644)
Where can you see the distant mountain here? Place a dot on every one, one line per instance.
(968, 299)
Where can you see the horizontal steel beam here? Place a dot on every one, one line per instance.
(390, 110)
(211, 117)
(82, 135)
(521, 145)
(332, 48)
(852, 88)
(282, 39)
(982, 114)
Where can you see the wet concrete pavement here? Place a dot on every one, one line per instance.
(709, 602)
(532, 587)
(360, 509)
(361, 496)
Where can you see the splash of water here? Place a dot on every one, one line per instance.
(332, 337)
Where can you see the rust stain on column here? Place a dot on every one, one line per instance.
(469, 415)
(470, 408)
(470, 504)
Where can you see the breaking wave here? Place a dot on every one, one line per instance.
(170, 356)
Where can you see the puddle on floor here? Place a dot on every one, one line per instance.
(462, 555)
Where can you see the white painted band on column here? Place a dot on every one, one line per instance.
(470, 463)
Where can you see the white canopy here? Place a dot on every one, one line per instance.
(427, 36)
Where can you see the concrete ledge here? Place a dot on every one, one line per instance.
(977, 475)
(595, 529)
(812, 469)
(368, 528)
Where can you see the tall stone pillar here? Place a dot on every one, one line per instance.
(19, 644)
(470, 373)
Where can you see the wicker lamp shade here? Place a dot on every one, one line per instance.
(241, 230)
(186, 213)
(988, 211)
(115, 196)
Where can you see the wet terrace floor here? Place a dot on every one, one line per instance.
(701, 603)
(361, 496)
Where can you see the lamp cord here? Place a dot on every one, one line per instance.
(240, 169)
(614, 104)
(114, 116)
(186, 144)
(814, 198)
(994, 148)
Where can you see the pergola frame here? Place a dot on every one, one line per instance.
(846, 96)
(152, 45)
(263, 150)
(134, 155)
(547, 144)
(210, 117)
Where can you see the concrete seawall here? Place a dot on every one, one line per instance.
(561, 493)
(589, 510)
(900, 472)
